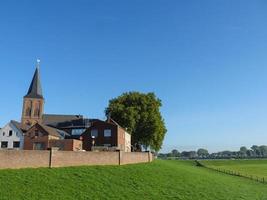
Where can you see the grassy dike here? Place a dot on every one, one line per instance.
(158, 180)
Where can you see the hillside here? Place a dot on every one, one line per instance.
(157, 180)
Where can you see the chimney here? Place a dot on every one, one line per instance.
(109, 118)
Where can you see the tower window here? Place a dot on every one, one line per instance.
(37, 109)
(28, 108)
(28, 112)
(36, 112)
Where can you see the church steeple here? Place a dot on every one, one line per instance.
(33, 101)
(35, 89)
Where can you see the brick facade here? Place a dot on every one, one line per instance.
(36, 138)
(32, 111)
(40, 137)
(116, 139)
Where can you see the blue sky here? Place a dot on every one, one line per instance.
(205, 59)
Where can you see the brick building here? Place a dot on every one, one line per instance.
(33, 111)
(106, 134)
(42, 137)
(65, 131)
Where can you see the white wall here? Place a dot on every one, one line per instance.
(17, 136)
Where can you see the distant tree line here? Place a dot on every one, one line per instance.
(254, 152)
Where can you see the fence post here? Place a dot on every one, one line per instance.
(148, 153)
(50, 159)
(120, 156)
(52, 152)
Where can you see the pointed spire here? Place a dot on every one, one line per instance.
(35, 89)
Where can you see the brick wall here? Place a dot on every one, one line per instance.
(63, 158)
(66, 144)
(33, 159)
(24, 159)
(135, 157)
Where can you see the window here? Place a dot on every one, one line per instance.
(4, 133)
(107, 133)
(4, 144)
(16, 144)
(107, 145)
(36, 133)
(37, 109)
(28, 112)
(77, 131)
(38, 146)
(94, 133)
(10, 133)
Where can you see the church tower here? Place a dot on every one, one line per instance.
(33, 101)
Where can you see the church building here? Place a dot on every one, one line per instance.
(39, 131)
(33, 102)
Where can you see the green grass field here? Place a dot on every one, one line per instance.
(255, 168)
(158, 180)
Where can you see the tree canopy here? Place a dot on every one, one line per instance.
(139, 113)
(244, 152)
(202, 152)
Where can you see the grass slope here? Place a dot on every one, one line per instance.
(157, 180)
(247, 167)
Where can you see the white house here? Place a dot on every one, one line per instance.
(11, 136)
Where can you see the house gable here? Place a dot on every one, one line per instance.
(11, 137)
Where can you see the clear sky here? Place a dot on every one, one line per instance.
(206, 60)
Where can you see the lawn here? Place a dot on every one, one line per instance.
(158, 180)
(255, 168)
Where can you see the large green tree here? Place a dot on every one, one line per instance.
(202, 152)
(139, 113)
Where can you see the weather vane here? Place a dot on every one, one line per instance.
(38, 63)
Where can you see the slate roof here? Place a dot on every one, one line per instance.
(112, 121)
(54, 131)
(52, 119)
(35, 89)
(75, 123)
(20, 126)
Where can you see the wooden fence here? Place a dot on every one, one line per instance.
(233, 173)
